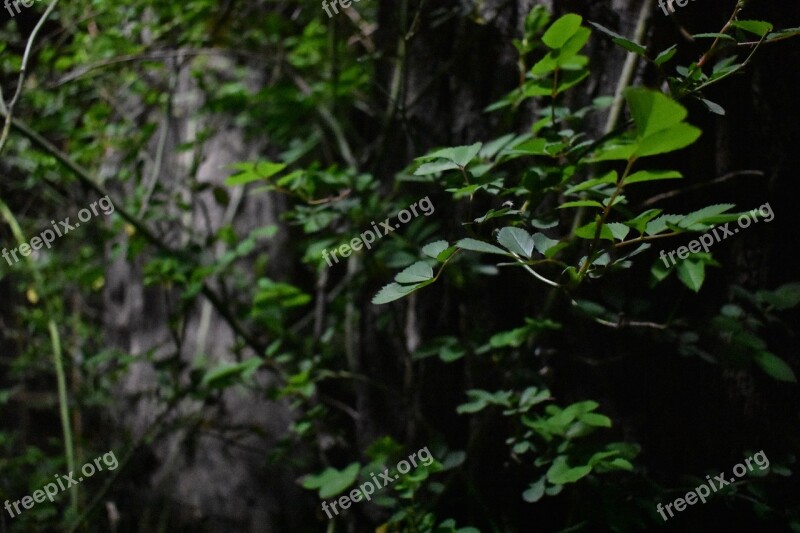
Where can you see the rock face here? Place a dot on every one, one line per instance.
(456, 66)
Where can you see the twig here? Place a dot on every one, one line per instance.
(9, 111)
(87, 180)
(630, 66)
(676, 192)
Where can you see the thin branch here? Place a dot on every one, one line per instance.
(87, 180)
(663, 196)
(629, 67)
(152, 56)
(8, 112)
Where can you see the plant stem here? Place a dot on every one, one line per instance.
(58, 360)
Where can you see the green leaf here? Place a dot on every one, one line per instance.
(656, 226)
(588, 231)
(560, 473)
(543, 243)
(668, 140)
(228, 374)
(723, 36)
(516, 240)
(610, 177)
(435, 168)
(784, 297)
(622, 464)
(566, 55)
(435, 248)
(692, 274)
(462, 155)
(569, 79)
(666, 55)
(561, 30)
(513, 338)
(618, 39)
(392, 292)
(595, 419)
(640, 222)
(713, 107)
(416, 273)
(782, 34)
(581, 203)
(702, 215)
(250, 172)
(652, 175)
(480, 399)
(615, 152)
(618, 230)
(775, 367)
(758, 27)
(475, 245)
(331, 481)
(653, 111)
(535, 491)
(531, 147)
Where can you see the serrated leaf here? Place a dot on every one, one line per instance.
(610, 177)
(723, 36)
(640, 222)
(392, 292)
(416, 273)
(668, 140)
(704, 214)
(757, 27)
(581, 203)
(561, 30)
(462, 155)
(435, 167)
(516, 240)
(692, 274)
(782, 34)
(653, 111)
(618, 230)
(475, 245)
(652, 175)
(433, 249)
(588, 231)
(775, 367)
(659, 224)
